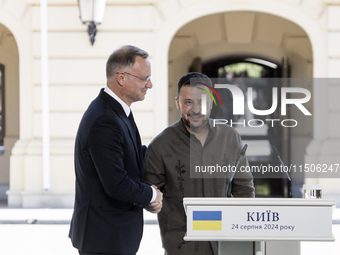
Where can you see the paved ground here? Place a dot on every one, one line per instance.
(44, 232)
(39, 239)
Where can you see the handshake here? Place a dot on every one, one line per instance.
(156, 206)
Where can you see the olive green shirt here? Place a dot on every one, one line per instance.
(167, 165)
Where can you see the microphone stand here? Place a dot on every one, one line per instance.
(242, 153)
(276, 153)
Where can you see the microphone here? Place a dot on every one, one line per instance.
(277, 155)
(240, 157)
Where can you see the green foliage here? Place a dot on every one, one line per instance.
(252, 70)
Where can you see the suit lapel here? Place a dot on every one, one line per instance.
(133, 133)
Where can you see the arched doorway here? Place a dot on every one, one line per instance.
(210, 42)
(9, 113)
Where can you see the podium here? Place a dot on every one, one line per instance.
(259, 225)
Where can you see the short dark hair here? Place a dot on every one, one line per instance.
(123, 57)
(196, 79)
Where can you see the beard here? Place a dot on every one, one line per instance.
(192, 127)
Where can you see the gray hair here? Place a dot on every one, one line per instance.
(123, 57)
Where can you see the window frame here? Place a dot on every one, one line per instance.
(2, 111)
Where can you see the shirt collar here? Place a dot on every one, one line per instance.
(126, 108)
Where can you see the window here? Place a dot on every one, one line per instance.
(2, 110)
(244, 71)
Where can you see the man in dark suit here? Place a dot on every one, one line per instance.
(110, 197)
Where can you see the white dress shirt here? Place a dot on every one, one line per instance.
(127, 111)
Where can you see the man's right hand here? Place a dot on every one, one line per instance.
(156, 206)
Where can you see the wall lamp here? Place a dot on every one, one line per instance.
(92, 13)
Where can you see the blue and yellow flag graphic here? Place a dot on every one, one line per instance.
(207, 220)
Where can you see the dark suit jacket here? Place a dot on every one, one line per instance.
(108, 210)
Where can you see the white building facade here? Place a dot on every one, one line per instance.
(174, 32)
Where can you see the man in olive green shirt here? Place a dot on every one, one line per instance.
(193, 140)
